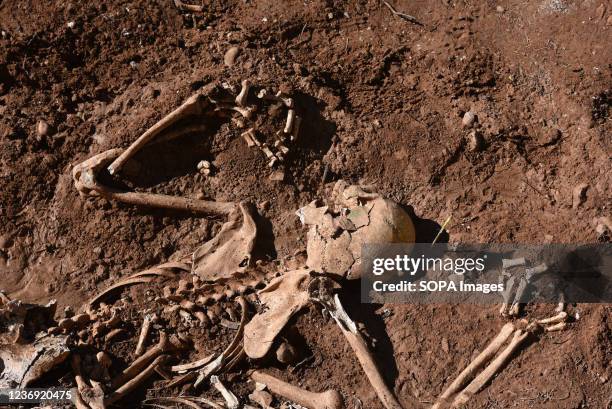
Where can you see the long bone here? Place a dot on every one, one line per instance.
(320, 292)
(489, 372)
(136, 381)
(85, 177)
(153, 353)
(194, 105)
(482, 358)
(329, 399)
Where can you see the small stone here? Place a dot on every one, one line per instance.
(5, 242)
(71, 25)
(330, 16)
(286, 354)
(579, 195)
(468, 119)
(475, 141)
(500, 9)
(277, 176)
(42, 128)
(230, 56)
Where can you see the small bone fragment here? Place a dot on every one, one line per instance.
(285, 100)
(560, 317)
(135, 382)
(262, 398)
(187, 7)
(140, 362)
(230, 56)
(329, 399)
(267, 151)
(245, 112)
(272, 162)
(113, 334)
(557, 327)
(482, 358)
(230, 399)
(283, 149)
(194, 105)
(489, 372)
(507, 293)
(516, 304)
(241, 98)
(192, 365)
(296, 128)
(42, 128)
(144, 332)
(249, 137)
(514, 262)
(290, 121)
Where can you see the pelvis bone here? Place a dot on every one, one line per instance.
(26, 350)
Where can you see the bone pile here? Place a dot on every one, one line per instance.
(219, 285)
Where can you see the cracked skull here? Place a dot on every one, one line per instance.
(355, 216)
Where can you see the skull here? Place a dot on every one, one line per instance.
(355, 216)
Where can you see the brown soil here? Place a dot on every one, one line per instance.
(383, 101)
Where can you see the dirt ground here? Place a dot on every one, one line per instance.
(383, 100)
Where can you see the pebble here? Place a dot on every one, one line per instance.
(286, 354)
(42, 128)
(277, 176)
(475, 141)
(71, 25)
(500, 9)
(230, 56)
(468, 119)
(579, 195)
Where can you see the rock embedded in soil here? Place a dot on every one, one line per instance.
(42, 128)
(286, 354)
(579, 195)
(468, 119)
(475, 141)
(230, 56)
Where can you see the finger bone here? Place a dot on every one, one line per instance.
(241, 98)
(230, 399)
(290, 121)
(144, 333)
(560, 317)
